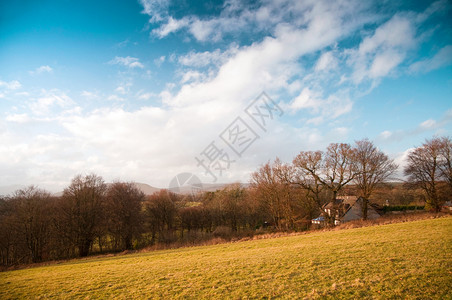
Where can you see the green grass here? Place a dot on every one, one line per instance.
(410, 260)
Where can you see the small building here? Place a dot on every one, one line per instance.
(320, 220)
(345, 209)
(355, 212)
(447, 206)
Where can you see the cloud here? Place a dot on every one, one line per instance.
(327, 61)
(89, 95)
(115, 98)
(41, 69)
(441, 59)
(145, 96)
(159, 61)
(172, 25)
(237, 17)
(156, 141)
(306, 99)
(206, 58)
(329, 108)
(191, 76)
(18, 118)
(428, 125)
(383, 51)
(11, 85)
(436, 7)
(48, 100)
(131, 62)
(156, 9)
(268, 64)
(386, 134)
(122, 44)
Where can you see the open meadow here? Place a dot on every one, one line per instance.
(409, 260)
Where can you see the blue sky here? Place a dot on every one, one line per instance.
(137, 90)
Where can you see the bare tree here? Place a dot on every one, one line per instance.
(308, 167)
(82, 208)
(234, 200)
(32, 218)
(446, 160)
(9, 239)
(161, 213)
(331, 170)
(372, 167)
(272, 185)
(339, 167)
(423, 169)
(123, 212)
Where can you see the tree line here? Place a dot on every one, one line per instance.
(94, 217)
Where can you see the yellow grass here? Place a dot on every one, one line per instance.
(411, 260)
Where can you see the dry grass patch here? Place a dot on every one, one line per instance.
(405, 260)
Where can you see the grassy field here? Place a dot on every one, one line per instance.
(410, 260)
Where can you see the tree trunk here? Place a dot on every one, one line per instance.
(365, 203)
(83, 248)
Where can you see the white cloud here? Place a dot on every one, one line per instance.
(159, 61)
(41, 69)
(401, 160)
(50, 99)
(383, 51)
(172, 25)
(156, 9)
(12, 85)
(428, 124)
(152, 144)
(145, 96)
(269, 64)
(206, 58)
(18, 118)
(340, 132)
(191, 76)
(306, 99)
(22, 94)
(334, 106)
(115, 98)
(131, 62)
(442, 58)
(121, 90)
(384, 62)
(237, 17)
(89, 95)
(122, 44)
(386, 134)
(327, 61)
(435, 7)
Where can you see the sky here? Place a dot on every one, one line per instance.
(149, 89)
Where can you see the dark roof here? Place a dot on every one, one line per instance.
(343, 202)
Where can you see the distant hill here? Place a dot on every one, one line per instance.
(144, 187)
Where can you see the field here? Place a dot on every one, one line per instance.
(411, 260)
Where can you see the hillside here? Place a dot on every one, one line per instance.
(404, 260)
(144, 187)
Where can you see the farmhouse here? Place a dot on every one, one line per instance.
(347, 208)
